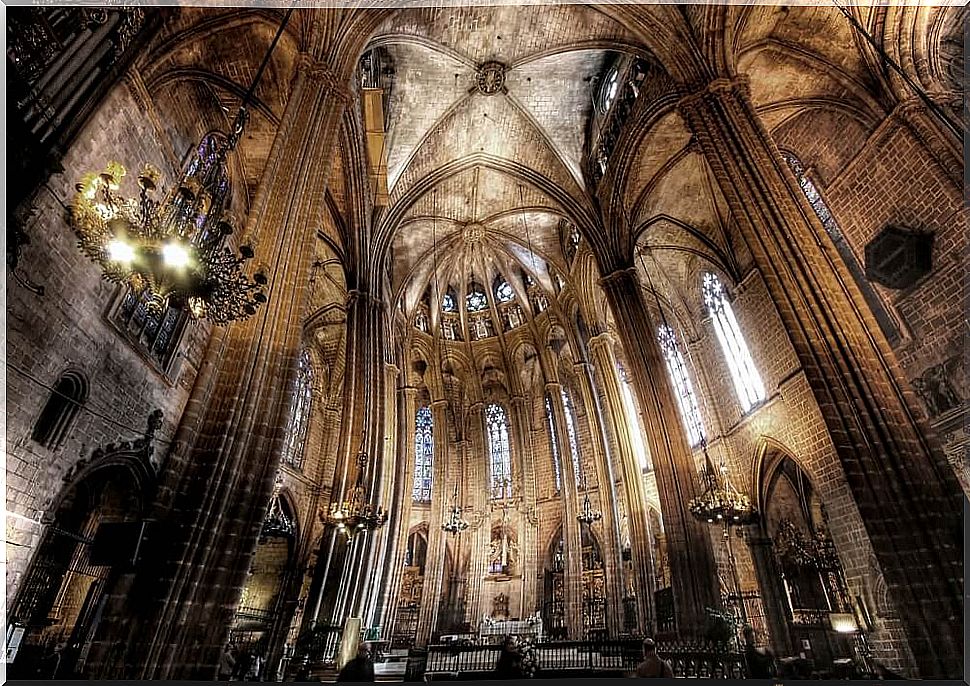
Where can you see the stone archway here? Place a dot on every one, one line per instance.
(95, 529)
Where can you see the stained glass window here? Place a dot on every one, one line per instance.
(553, 443)
(677, 369)
(636, 427)
(499, 451)
(882, 315)
(476, 299)
(503, 292)
(567, 405)
(448, 303)
(156, 335)
(423, 455)
(296, 430)
(610, 87)
(747, 381)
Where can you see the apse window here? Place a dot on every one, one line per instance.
(567, 405)
(553, 444)
(66, 398)
(747, 381)
(423, 455)
(499, 452)
(476, 301)
(448, 303)
(636, 427)
(296, 430)
(677, 369)
(157, 335)
(503, 292)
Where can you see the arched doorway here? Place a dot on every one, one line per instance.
(801, 577)
(95, 529)
(593, 610)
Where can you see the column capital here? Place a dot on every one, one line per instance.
(739, 85)
(321, 74)
(601, 340)
(439, 402)
(552, 386)
(355, 296)
(409, 390)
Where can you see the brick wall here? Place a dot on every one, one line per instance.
(67, 328)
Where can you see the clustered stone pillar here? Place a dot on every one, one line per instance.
(605, 371)
(908, 496)
(528, 535)
(480, 531)
(571, 533)
(603, 463)
(170, 620)
(692, 566)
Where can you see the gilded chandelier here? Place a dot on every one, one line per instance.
(173, 248)
(354, 514)
(719, 503)
(170, 247)
(455, 523)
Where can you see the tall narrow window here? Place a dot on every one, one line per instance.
(553, 443)
(636, 428)
(423, 455)
(747, 381)
(157, 335)
(681, 381)
(567, 405)
(296, 432)
(499, 453)
(879, 311)
(66, 398)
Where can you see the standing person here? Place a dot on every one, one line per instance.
(227, 663)
(653, 666)
(361, 668)
(509, 665)
(760, 663)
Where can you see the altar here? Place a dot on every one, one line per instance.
(526, 628)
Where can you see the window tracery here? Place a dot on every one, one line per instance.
(500, 456)
(747, 381)
(296, 430)
(567, 405)
(677, 369)
(553, 443)
(423, 455)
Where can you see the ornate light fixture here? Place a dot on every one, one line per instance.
(588, 515)
(721, 504)
(354, 514)
(276, 523)
(455, 523)
(173, 248)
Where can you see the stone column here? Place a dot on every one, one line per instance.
(571, 534)
(479, 532)
(604, 363)
(908, 496)
(528, 542)
(401, 511)
(603, 463)
(172, 620)
(692, 565)
(773, 597)
(441, 494)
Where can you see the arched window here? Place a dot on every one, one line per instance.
(423, 455)
(476, 300)
(296, 431)
(567, 405)
(553, 443)
(66, 398)
(449, 302)
(681, 381)
(611, 85)
(636, 428)
(499, 452)
(156, 335)
(503, 291)
(879, 311)
(747, 381)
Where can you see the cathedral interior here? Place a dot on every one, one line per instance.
(420, 326)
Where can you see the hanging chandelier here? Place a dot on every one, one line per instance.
(170, 247)
(276, 523)
(721, 504)
(588, 515)
(455, 523)
(354, 514)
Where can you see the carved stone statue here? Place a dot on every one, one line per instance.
(935, 389)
